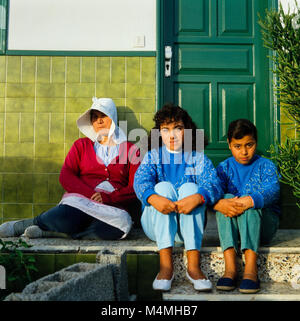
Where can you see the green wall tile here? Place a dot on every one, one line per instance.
(145, 276)
(40, 188)
(58, 69)
(17, 211)
(148, 72)
(132, 272)
(45, 263)
(2, 68)
(1, 194)
(140, 91)
(12, 127)
(110, 90)
(118, 70)
(25, 188)
(1, 127)
(81, 90)
(13, 69)
(141, 105)
(46, 105)
(24, 104)
(55, 90)
(55, 189)
(19, 150)
(133, 121)
(48, 150)
(57, 128)
(41, 208)
(147, 120)
(73, 69)
(103, 69)
(43, 69)
(133, 68)
(47, 165)
(88, 69)
(72, 131)
(78, 105)
(28, 69)
(2, 105)
(20, 90)
(27, 127)
(2, 90)
(42, 128)
(17, 165)
(9, 185)
(88, 258)
(64, 260)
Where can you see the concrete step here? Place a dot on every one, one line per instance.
(182, 290)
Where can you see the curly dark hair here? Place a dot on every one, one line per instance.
(168, 114)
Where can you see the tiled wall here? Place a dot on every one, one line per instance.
(40, 100)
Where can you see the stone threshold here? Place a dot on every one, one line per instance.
(285, 241)
(270, 291)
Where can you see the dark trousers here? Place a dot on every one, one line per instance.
(77, 224)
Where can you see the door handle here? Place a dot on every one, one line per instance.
(168, 61)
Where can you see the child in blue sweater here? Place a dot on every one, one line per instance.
(250, 207)
(175, 183)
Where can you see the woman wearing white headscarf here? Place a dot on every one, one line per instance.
(97, 176)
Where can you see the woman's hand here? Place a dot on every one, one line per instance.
(97, 197)
(162, 204)
(187, 204)
(230, 207)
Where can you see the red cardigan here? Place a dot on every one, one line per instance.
(82, 171)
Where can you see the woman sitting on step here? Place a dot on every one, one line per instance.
(97, 176)
(250, 208)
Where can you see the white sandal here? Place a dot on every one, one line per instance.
(162, 285)
(200, 284)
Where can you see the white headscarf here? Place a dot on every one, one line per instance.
(107, 107)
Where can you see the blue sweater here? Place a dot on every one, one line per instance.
(259, 179)
(195, 168)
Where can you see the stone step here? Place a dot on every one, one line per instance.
(279, 262)
(182, 290)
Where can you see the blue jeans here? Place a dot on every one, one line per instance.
(67, 219)
(252, 228)
(166, 229)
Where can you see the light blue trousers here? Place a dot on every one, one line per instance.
(251, 229)
(166, 229)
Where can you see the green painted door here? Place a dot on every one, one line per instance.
(219, 67)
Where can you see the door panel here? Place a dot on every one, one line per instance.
(220, 69)
(235, 18)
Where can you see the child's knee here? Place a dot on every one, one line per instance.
(165, 189)
(227, 196)
(187, 189)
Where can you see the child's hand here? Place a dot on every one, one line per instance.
(246, 201)
(230, 207)
(97, 197)
(187, 204)
(162, 204)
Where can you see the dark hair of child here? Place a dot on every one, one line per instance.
(240, 128)
(169, 114)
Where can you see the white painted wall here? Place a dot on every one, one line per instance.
(289, 3)
(87, 25)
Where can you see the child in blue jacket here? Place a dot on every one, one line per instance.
(250, 208)
(175, 183)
